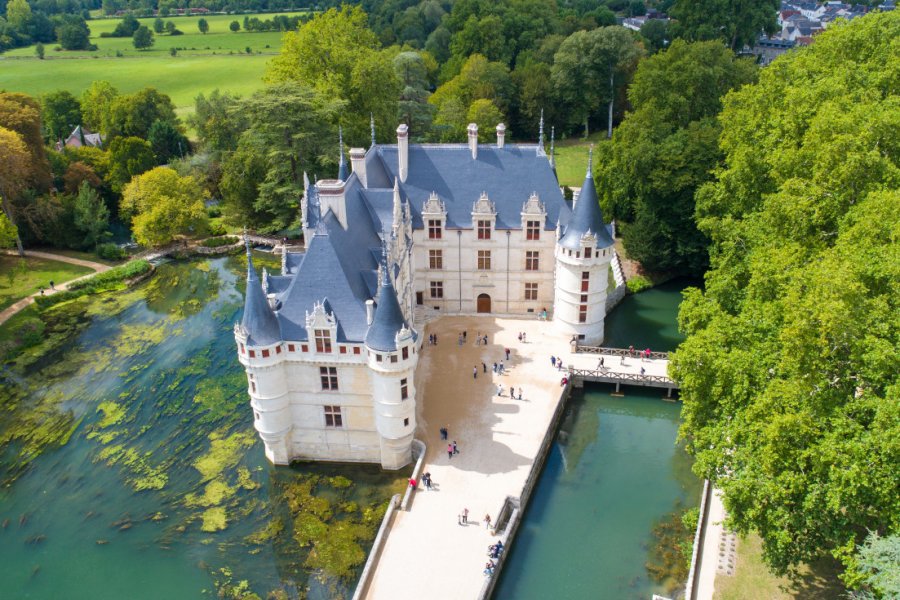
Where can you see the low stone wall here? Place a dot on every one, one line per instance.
(614, 297)
(418, 449)
(377, 546)
(690, 588)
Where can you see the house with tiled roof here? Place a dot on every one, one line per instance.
(404, 234)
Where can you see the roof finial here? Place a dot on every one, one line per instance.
(342, 166)
(540, 148)
(590, 162)
(552, 151)
(372, 126)
(385, 279)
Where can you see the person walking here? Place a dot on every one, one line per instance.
(643, 370)
(465, 337)
(449, 450)
(553, 361)
(474, 372)
(494, 367)
(484, 340)
(500, 368)
(484, 367)
(500, 389)
(465, 516)
(487, 521)
(455, 447)
(520, 393)
(507, 354)
(52, 287)
(445, 432)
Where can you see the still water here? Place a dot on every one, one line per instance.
(613, 474)
(130, 468)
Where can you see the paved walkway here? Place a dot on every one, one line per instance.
(427, 554)
(9, 311)
(709, 560)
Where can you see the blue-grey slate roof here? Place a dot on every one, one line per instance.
(258, 319)
(508, 175)
(587, 216)
(388, 320)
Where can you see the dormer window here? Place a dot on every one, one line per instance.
(484, 229)
(532, 230)
(434, 229)
(323, 340)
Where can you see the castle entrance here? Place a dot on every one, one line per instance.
(484, 303)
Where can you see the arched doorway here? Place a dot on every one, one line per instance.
(484, 303)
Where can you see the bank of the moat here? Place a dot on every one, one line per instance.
(613, 475)
(130, 467)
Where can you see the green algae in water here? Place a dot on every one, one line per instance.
(134, 410)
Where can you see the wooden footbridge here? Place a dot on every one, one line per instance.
(621, 366)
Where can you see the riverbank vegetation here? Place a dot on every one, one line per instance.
(21, 277)
(789, 373)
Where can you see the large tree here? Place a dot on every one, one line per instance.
(14, 166)
(95, 106)
(219, 121)
(790, 373)
(336, 55)
(665, 149)
(289, 129)
(162, 206)
(736, 22)
(134, 114)
(22, 114)
(591, 67)
(91, 216)
(61, 113)
(128, 156)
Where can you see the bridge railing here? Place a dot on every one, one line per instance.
(618, 352)
(622, 377)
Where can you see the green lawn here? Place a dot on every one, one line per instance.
(572, 158)
(217, 59)
(752, 579)
(182, 77)
(17, 283)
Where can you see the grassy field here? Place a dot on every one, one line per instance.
(572, 158)
(752, 579)
(217, 59)
(16, 283)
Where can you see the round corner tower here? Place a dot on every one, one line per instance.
(392, 357)
(583, 255)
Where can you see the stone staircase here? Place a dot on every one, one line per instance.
(618, 273)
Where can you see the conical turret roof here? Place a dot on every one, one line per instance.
(587, 216)
(388, 320)
(259, 321)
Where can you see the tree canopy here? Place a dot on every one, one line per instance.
(665, 149)
(736, 22)
(162, 205)
(790, 373)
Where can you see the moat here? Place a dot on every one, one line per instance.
(130, 467)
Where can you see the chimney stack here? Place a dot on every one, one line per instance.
(473, 139)
(403, 150)
(358, 163)
(370, 311)
(501, 135)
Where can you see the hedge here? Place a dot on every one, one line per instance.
(113, 279)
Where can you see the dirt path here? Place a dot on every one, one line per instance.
(9, 311)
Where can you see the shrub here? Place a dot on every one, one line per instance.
(214, 211)
(29, 332)
(217, 229)
(216, 242)
(110, 251)
(638, 283)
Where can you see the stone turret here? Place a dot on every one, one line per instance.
(392, 358)
(583, 253)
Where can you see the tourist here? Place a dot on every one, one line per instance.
(483, 367)
(500, 389)
(524, 338)
(487, 521)
(520, 393)
(494, 367)
(474, 372)
(600, 364)
(507, 354)
(643, 370)
(445, 432)
(465, 337)
(465, 516)
(630, 350)
(500, 367)
(520, 336)
(484, 340)
(52, 287)
(42, 291)
(412, 483)
(648, 353)
(622, 360)
(455, 448)
(449, 450)
(559, 362)
(460, 339)
(489, 568)
(426, 479)
(553, 361)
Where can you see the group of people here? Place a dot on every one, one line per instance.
(494, 552)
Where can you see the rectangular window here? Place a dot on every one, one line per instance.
(532, 262)
(531, 291)
(277, 349)
(242, 348)
(582, 313)
(291, 347)
(343, 349)
(484, 230)
(436, 259)
(404, 389)
(437, 289)
(323, 340)
(584, 297)
(333, 417)
(434, 229)
(304, 348)
(253, 354)
(484, 260)
(265, 354)
(253, 387)
(585, 281)
(587, 252)
(328, 375)
(356, 350)
(405, 352)
(532, 230)
(393, 358)
(406, 422)
(378, 358)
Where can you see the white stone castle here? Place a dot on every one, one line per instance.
(330, 345)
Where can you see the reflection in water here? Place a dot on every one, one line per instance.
(130, 466)
(613, 475)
